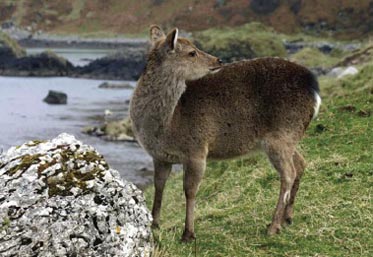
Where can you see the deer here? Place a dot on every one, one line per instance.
(188, 107)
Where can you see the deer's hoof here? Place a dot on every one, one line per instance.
(288, 221)
(188, 237)
(288, 217)
(273, 229)
(155, 226)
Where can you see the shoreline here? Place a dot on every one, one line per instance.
(28, 39)
(82, 43)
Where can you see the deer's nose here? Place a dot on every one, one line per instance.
(219, 61)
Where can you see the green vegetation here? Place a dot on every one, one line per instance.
(7, 42)
(67, 177)
(247, 41)
(5, 224)
(312, 57)
(334, 207)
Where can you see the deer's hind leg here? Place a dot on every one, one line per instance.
(193, 173)
(299, 165)
(280, 154)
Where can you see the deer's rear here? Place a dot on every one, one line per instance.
(234, 110)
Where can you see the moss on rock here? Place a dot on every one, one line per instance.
(10, 47)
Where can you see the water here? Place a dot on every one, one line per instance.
(78, 57)
(24, 116)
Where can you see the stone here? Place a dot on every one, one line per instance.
(351, 70)
(340, 72)
(335, 72)
(118, 130)
(55, 97)
(61, 198)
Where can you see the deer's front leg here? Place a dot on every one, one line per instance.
(161, 172)
(193, 173)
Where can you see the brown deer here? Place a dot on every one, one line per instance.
(188, 107)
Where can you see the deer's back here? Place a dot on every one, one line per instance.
(233, 110)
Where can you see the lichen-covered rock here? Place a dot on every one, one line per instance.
(60, 198)
(118, 130)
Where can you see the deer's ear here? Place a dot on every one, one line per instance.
(171, 39)
(156, 33)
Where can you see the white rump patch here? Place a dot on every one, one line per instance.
(317, 104)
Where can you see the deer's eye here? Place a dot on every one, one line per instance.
(192, 53)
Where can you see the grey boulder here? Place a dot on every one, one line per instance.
(61, 198)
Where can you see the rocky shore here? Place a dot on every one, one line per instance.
(125, 64)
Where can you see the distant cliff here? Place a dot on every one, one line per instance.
(344, 18)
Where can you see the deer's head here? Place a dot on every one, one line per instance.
(179, 56)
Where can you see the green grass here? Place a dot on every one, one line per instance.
(334, 207)
(312, 57)
(247, 41)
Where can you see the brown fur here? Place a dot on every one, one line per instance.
(182, 116)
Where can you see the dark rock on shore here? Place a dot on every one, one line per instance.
(55, 97)
(14, 62)
(124, 65)
(43, 64)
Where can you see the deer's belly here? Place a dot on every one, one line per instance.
(231, 147)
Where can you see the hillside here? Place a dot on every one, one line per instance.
(345, 18)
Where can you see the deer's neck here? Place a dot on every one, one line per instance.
(154, 101)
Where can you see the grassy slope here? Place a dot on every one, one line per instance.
(334, 208)
(312, 57)
(249, 40)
